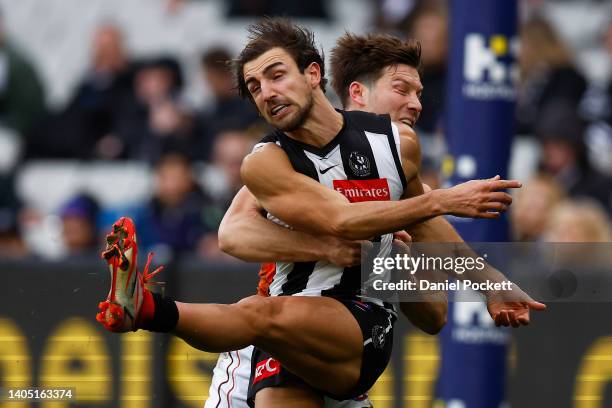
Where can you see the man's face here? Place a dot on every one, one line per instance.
(78, 233)
(397, 92)
(173, 181)
(153, 84)
(283, 94)
(219, 81)
(228, 153)
(108, 49)
(558, 155)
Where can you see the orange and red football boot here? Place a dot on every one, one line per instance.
(121, 311)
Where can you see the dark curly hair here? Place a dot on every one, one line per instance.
(275, 32)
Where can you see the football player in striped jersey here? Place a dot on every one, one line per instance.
(324, 345)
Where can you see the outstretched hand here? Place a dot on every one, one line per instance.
(477, 198)
(512, 312)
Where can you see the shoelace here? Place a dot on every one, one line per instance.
(145, 278)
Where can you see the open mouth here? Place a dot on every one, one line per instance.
(279, 109)
(407, 121)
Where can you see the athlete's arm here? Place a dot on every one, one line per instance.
(427, 315)
(246, 234)
(512, 309)
(438, 229)
(426, 311)
(309, 206)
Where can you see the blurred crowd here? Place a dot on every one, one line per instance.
(563, 118)
(130, 109)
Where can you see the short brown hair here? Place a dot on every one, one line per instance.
(363, 58)
(216, 58)
(275, 32)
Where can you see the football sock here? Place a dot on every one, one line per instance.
(157, 313)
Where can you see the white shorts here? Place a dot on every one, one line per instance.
(230, 383)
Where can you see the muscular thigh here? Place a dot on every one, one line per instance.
(318, 325)
(316, 338)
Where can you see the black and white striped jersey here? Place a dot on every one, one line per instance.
(362, 162)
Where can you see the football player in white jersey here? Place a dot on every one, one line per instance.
(378, 65)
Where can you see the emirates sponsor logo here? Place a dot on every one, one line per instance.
(265, 369)
(364, 190)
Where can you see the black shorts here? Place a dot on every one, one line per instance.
(376, 325)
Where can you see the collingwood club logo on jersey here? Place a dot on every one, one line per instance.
(359, 164)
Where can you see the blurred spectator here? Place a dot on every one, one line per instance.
(607, 43)
(228, 110)
(548, 74)
(104, 88)
(289, 8)
(429, 25)
(391, 14)
(22, 99)
(578, 221)
(79, 225)
(172, 220)
(174, 6)
(563, 154)
(230, 149)
(224, 179)
(11, 243)
(260, 8)
(596, 107)
(532, 206)
(530, 8)
(223, 182)
(153, 122)
(83, 129)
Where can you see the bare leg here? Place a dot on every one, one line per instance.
(316, 338)
(282, 397)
